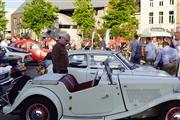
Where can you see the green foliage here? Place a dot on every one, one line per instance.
(102, 32)
(3, 20)
(83, 15)
(121, 17)
(39, 15)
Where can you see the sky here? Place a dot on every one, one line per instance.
(12, 5)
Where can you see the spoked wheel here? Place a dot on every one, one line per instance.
(171, 112)
(39, 109)
(37, 112)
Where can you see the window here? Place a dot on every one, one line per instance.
(160, 3)
(171, 2)
(15, 23)
(20, 21)
(68, 26)
(160, 17)
(171, 17)
(151, 18)
(98, 59)
(78, 60)
(151, 3)
(14, 31)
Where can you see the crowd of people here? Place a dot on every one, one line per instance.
(162, 54)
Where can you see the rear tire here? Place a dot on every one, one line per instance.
(38, 108)
(171, 111)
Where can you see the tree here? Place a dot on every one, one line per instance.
(39, 15)
(83, 15)
(121, 19)
(3, 20)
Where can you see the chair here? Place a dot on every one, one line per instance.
(73, 86)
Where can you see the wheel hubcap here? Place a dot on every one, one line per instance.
(37, 112)
(173, 114)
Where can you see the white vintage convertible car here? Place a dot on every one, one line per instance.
(85, 64)
(108, 96)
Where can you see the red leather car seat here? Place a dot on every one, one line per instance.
(73, 86)
(70, 82)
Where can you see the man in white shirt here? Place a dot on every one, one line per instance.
(176, 43)
(169, 57)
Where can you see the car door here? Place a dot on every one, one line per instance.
(78, 66)
(103, 99)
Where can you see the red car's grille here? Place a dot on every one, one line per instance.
(3, 76)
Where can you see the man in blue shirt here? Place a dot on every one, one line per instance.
(136, 52)
(169, 56)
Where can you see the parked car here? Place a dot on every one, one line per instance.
(33, 47)
(18, 68)
(108, 96)
(84, 65)
(49, 43)
(12, 51)
(5, 74)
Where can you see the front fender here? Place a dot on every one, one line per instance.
(156, 102)
(41, 91)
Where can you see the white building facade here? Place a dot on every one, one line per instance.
(158, 14)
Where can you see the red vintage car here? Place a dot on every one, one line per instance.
(38, 53)
(49, 43)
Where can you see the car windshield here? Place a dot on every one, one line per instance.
(130, 65)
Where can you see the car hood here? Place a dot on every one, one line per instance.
(149, 71)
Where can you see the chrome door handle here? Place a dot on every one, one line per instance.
(105, 97)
